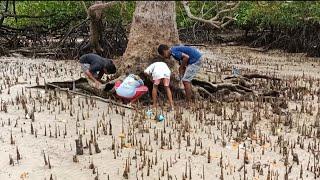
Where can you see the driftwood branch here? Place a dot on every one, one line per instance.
(214, 21)
(82, 94)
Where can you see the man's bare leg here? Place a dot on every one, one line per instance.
(154, 95)
(169, 94)
(187, 88)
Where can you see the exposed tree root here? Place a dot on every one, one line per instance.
(253, 76)
(239, 87)
(236, 85)
(212, 88)
(204, 93)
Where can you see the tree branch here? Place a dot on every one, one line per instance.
(25, 16)
(228, 22)
(232, 8)
(101, 6)
(85, 7)
(71, 29)
(215, 22)
(191, 16)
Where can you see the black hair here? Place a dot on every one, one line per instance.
(162, 48)
(111, 68)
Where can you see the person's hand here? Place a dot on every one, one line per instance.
(149, 76)
(136, 77)
(97, 84)
(113, 90)
(181, 72)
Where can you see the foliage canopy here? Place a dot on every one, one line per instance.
(253, 15)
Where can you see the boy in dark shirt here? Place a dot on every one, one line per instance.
(94, 66)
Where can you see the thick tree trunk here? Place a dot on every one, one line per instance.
(154, 23)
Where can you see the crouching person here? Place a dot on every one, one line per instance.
(130, 89)
(160, 73)
(95, 66)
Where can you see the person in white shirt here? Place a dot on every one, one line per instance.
(160, 73)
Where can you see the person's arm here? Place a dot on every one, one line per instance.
(113, 90)
(100, 75)
(178, 55)
(90, 75)
(148, 71)
(94, 68)
(137, 78)
(184, 64)
(149, 76)
(141, 82)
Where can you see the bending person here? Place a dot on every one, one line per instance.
(95, 66)
(189, 59)
(160, 73)
(131, 89)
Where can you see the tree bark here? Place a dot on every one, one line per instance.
(154, 23)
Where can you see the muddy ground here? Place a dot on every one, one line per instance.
(206, 141)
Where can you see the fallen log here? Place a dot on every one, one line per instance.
(50, 85)
(94, 97)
